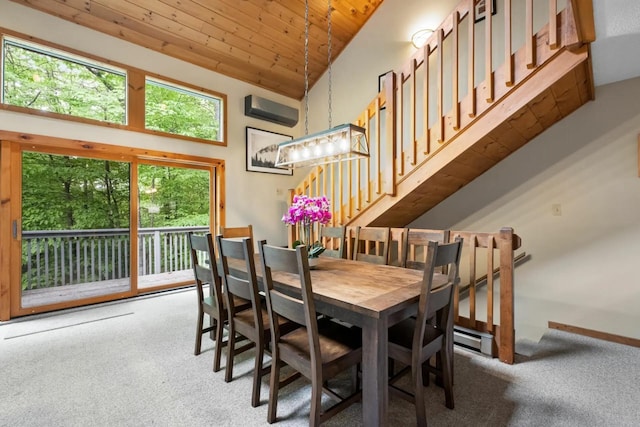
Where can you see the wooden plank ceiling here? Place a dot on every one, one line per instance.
(257, 41)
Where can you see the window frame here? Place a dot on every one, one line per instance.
(135, 96)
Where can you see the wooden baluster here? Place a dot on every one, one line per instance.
(456, 293)
(455, 72)
(412, 123)
(508, 57)
(490, 245)
(440, 73)
(400, 136)
(553, 24)
(473, 245)
(530, 47)
(425, 64)
(471, 72)
(488, 60)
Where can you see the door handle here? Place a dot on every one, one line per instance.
(14, 229)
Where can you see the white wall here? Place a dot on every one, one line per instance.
(245, 192)
(582, 267)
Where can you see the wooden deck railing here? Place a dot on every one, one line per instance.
(69, 257)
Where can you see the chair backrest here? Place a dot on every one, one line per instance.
(205, 269)
(240, 281)
(372, 245)
(300, 310)
(333, 239)
(415, 245)
(437, 303)
(229, 232)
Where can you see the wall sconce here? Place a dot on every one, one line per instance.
(419, 38)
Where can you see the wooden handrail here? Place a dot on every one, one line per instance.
(424, 108)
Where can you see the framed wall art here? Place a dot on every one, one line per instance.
(262, 147)
(481, 9)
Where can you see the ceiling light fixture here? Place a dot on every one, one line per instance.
(341, 143)
(420, 37)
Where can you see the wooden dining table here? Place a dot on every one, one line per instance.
(372, 297)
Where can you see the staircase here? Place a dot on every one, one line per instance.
(475, 93)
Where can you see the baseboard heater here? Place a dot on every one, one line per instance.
(481, 342)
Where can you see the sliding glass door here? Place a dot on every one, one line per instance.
(172, 201)
(75, 235)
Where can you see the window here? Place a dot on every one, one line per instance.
(46, 79)
(177, 110)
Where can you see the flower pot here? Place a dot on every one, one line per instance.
(313, 263)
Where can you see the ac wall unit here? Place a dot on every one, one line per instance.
(263, 109)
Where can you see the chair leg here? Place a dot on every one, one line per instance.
(274, 384)
(447, 376)
(231, 342)
(421, 410)
(257, 374)
(218, 353)
(198, 347)
(316, 399)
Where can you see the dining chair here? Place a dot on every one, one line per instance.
(333, 238)
(372, 244)
(214, 304)
(253, 324)
(229, 232)
(319, 349)
(415, 243)
(414, 341)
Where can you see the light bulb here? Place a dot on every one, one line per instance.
(344, 145)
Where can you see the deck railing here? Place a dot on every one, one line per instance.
(69, 257)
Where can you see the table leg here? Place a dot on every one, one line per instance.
(375, 392)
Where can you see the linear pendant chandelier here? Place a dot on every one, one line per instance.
(340, 143)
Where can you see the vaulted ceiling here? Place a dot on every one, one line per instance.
(258, 41)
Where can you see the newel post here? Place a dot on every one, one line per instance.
(506, 349)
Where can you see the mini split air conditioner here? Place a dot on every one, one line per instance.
(263, 109)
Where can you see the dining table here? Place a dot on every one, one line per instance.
(370, 296)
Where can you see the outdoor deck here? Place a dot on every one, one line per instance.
(47, 296)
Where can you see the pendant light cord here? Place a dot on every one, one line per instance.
(329, 43)
(306, 67)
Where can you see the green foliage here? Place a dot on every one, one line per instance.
(46, 82)
(179, 195)
(314, 250)
(72, 193)
(44, 79)
(67, 193)
(181, 112)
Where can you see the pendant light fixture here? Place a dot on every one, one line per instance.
(341, 143)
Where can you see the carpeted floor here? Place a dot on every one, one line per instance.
(131, 364)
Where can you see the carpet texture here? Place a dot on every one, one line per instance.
(131, 363)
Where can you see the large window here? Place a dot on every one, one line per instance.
(49, 80)
(44, 79)
(174, 109)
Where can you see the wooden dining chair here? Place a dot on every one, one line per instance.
(372, 245)
(415, 242)
(229, 232)
(333, 239)
(253, 324)
(319, 349)
(414, 341)
(214, 305)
